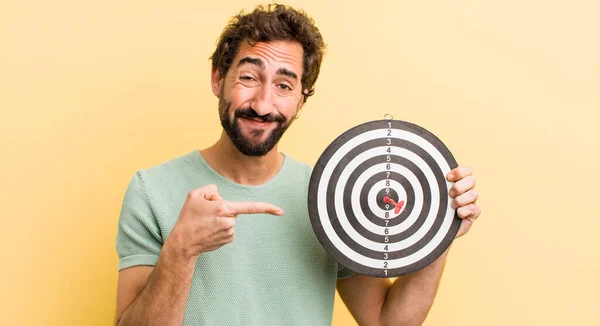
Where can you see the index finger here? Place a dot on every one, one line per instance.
(249, 207)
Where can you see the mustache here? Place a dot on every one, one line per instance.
(249, 113)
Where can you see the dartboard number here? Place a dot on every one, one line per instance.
(388, 158)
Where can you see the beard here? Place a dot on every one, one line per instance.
(247, 145)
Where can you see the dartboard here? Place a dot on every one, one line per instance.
(378, 198)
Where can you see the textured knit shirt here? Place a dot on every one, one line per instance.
(275, 271)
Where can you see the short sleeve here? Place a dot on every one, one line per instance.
(139, 238)
(344, 272)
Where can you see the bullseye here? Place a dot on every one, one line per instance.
(398, 206)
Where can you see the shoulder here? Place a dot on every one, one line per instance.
(300, 169)
(174, 170)
(164, 187)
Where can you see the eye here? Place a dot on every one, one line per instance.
(285, 87)
(246, 78)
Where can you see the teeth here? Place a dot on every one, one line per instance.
(256, 120)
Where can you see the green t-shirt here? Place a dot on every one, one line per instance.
(275, 271)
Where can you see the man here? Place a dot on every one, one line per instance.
(178, 260)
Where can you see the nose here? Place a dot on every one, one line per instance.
(263, 100)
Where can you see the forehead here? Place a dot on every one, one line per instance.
(274, 54)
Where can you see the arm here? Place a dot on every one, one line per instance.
(143, 292)
(378, 301)
(158, 295)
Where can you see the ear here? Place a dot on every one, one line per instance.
(216, 82)
(301, 104)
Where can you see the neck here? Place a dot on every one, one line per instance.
(224, 158)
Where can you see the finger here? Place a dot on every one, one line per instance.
(211, 192)
(227, 232)
(470, 212)
(235, 208)
(226, 240)
(461, 186)
(208, 192)
(227, 235)
(214, 247)
(459, 173)
(464, 199)
(226, 223)
(220, 243)
(465, 226)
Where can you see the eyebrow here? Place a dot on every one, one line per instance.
(252, 61)
(286, 72)
(260, 64)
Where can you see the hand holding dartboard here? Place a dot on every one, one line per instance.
(378, 198)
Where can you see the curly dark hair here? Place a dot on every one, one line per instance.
(276, 22)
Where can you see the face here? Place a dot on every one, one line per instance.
(260, 95)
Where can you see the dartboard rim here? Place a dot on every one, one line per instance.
(312, 199)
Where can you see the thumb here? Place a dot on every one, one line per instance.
(208, 192)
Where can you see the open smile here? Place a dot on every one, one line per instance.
(255, 122)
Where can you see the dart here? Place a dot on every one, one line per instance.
(398, 206)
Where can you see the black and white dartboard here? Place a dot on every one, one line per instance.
(378, 198)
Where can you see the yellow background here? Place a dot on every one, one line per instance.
(90, 91)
